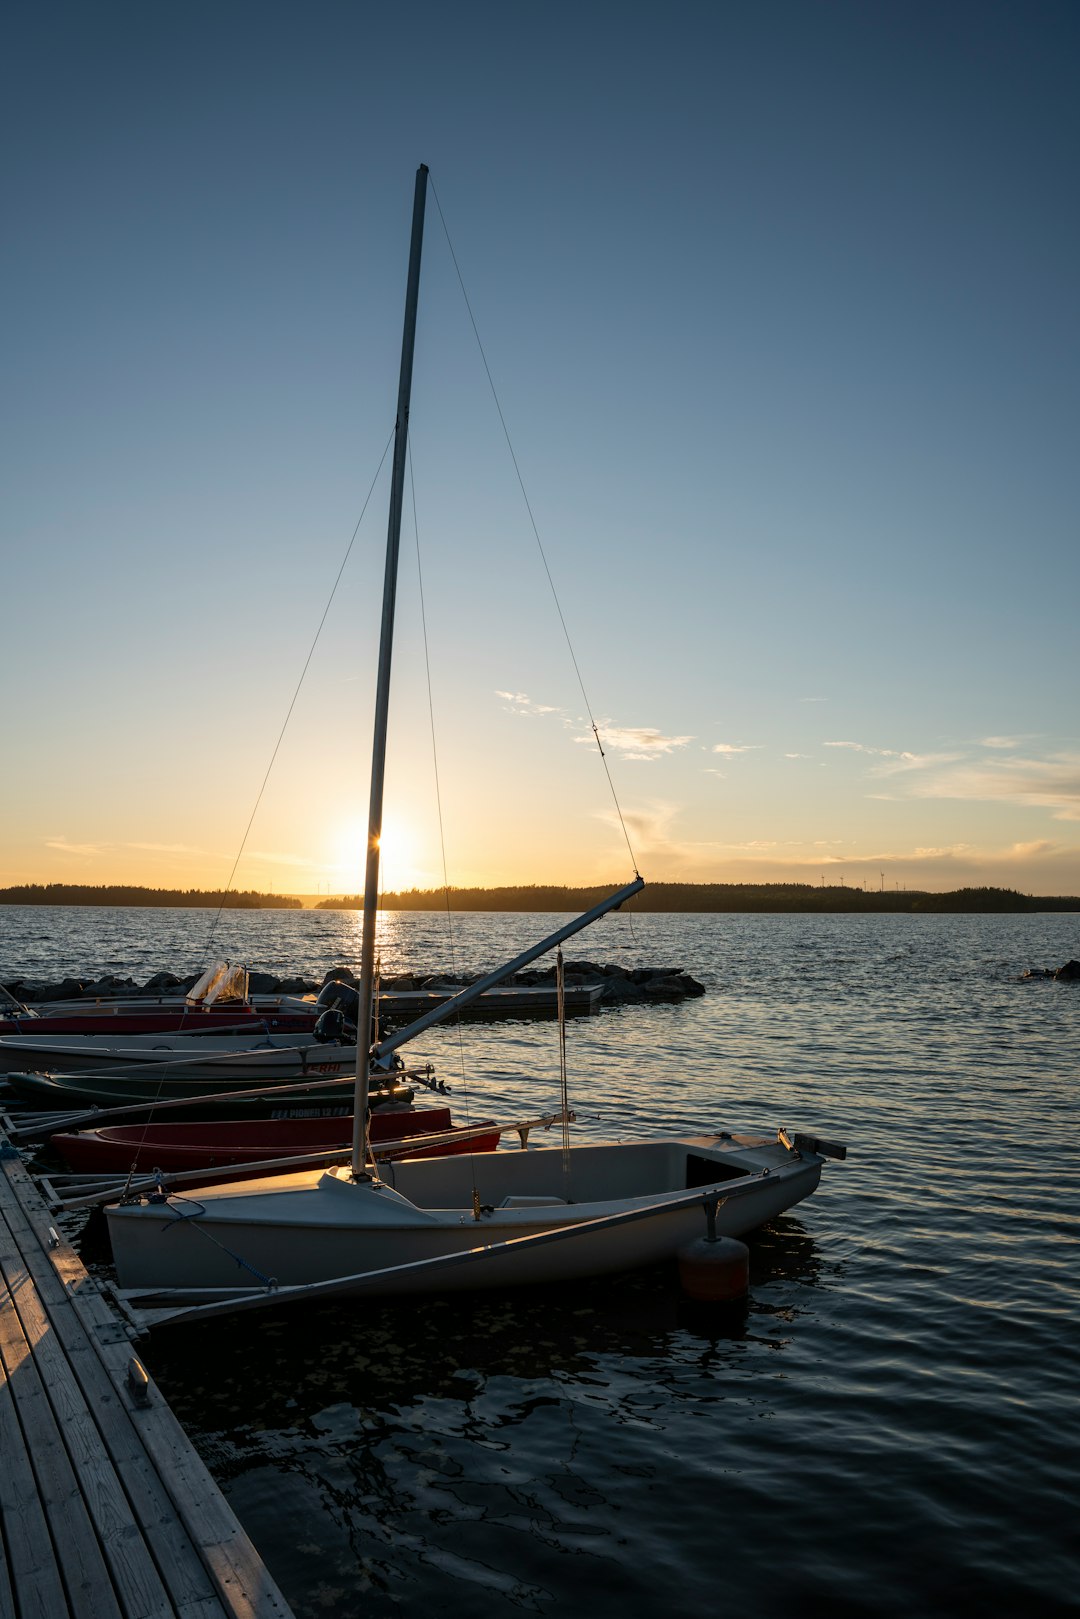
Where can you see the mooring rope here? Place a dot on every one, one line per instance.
(192, 1219)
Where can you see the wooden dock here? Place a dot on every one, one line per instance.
(511, 1001)
(105, 1508)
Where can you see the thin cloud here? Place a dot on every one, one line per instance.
(641, 742)
(1052, 783)
(1048, 866)
(519, 702)
(302, 861)
(862, 747)
(893, 760)
(650, 829)
(895, 764)
(64, 847)
(168, 848)
(735, 747)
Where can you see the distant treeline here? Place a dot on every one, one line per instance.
(550, 897)
(714, 897)
(108, 894)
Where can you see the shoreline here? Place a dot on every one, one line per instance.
(666, 898)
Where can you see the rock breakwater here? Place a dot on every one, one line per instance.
(618, 984)
(1067, 974)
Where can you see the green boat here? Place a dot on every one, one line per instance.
(320, 1098)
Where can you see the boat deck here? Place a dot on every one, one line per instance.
(105, 1508)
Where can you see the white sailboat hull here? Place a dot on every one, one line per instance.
(252, 1056)
(313, 1228)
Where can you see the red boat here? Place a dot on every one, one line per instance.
(174, 1148)
(182, 1020)
(220, 1000)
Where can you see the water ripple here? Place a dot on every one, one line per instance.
(889, 1426)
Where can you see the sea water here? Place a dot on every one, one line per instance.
(890, 1426)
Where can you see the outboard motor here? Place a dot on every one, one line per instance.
(338, 993)
(340, 997)
(330, 1027)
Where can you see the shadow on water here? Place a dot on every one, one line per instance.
(392, 1351)
(495, 1444)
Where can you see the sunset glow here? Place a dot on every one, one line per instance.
(791, 395)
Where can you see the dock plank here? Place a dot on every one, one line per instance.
(236, 1572)
(7, 1599)
(78, 1554)
(31, 1567)
(135, 1579)
(182, 1569)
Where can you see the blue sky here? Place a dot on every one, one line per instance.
(780, 304)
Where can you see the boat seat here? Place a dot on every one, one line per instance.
(523, 1202)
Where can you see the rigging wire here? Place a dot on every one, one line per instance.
(288, 716)
(435, 768)
(536, 532)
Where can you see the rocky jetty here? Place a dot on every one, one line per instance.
(110, 987)
(618, 984)
(1068, 974)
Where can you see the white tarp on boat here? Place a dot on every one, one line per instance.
(221, 982)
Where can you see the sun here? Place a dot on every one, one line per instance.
(398, 855)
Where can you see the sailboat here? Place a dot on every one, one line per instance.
(502, 1218)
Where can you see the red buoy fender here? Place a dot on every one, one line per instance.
(714, 1269)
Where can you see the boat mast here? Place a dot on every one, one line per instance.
(382, 692)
